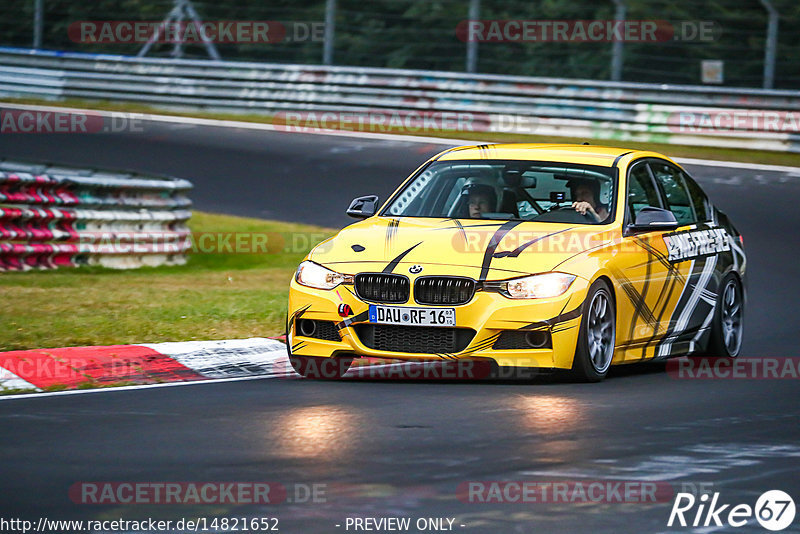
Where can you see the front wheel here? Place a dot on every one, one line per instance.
(597, 335)
(320, 368)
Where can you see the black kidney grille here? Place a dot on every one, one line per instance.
(379, 287)
(443, 290)
(414, 339)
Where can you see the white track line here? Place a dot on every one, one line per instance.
(216, 123)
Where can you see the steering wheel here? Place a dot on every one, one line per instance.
(566, 214)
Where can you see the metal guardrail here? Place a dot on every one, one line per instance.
(770, 119)
(56, 217)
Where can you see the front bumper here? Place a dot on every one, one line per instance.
(488, 313)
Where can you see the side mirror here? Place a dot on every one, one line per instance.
(363, 207)
(650, 218)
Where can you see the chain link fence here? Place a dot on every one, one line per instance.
(733, 43)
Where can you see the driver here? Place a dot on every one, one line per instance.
(586, 199)
(482, 199)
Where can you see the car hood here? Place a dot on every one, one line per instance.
(480, 249)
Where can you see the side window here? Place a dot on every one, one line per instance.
(702, 207)
(641, 190)
(674, 186)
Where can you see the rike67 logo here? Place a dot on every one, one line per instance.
(774, 510)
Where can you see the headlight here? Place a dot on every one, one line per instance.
(538, 286)
(312, 275)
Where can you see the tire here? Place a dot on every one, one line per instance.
(597, 336)
(727, 327)
(320, 368)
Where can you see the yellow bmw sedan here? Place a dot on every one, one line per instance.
(541, 256)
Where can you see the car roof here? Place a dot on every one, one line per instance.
(603, 156)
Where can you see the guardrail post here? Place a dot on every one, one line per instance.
(177, 47)
(617, 47)
(472, 46)
(181, 10)
(330, 32)
(771, 45)
(38, 24)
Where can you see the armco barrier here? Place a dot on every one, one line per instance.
(56, 216)
(724, 117)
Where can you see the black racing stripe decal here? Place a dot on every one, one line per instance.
(484, 225)
(298, 346)
(683, 301)
(454, 149)
(489, 341)
(671, 282)
(699, 265)
(660, 257)
(392, 264)
(634, 296)
(535, 327)
(560, 318)
(564, 307)
(485, 344)
(640, 302)
(517, 251)
(391, 233)
(601, 245)
(564, 317)
(673, 276)
(458, 224)
(493, 243)
(461, 230)
(620, 157)
(294, 317)
(501, 269)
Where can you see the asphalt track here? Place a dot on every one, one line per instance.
(401, 448)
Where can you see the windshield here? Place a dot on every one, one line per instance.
(509, 190)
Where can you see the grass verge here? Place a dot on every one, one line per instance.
(674, 151)
(222, 295)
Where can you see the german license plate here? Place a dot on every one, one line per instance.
(412, 316)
